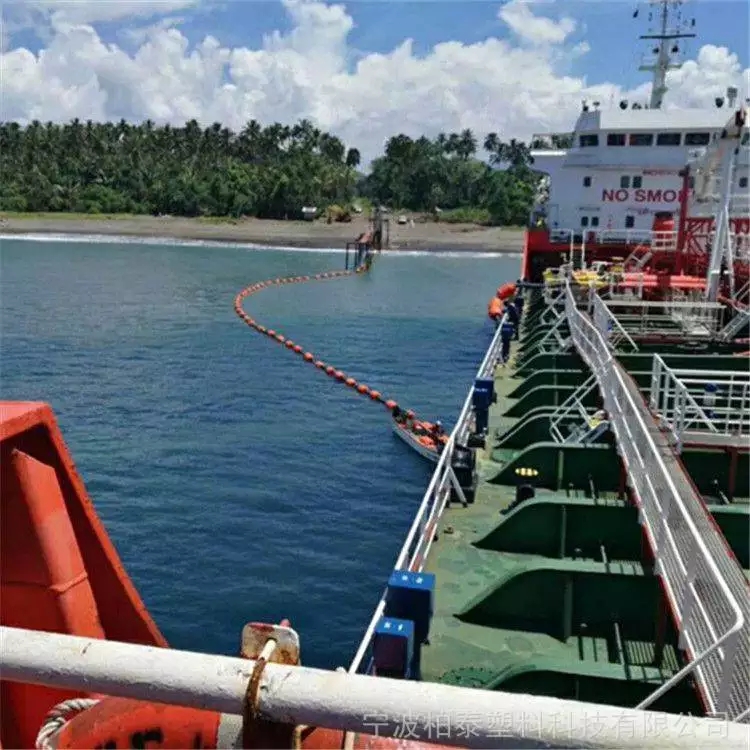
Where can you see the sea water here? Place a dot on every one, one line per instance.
(237, 482)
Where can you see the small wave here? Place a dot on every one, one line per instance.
(129, 239)
(448, 253)
(122, 239)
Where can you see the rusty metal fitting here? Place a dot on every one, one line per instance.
(266, 643)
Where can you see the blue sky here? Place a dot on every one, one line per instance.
(608, 27)
(143, 59)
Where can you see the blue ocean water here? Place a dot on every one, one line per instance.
(237, 482)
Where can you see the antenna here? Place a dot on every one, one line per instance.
(665, 55)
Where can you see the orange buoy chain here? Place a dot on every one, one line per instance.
(295, 348)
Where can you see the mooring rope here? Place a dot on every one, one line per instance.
(295, 348)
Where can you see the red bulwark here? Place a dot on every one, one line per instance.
(59, 571)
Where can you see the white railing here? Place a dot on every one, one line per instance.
(297, 695)
(638, 258)
(571, 414)
(656, 240)
(710, 605)
(736, 324)
(683, 317)
(676, 395)
(696, 316)
(624, 236)
(608, 325)
(419, 539)
(744, 290)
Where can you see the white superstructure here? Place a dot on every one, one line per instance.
(623, 163)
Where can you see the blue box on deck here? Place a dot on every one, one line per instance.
(411, 596)
(393, 647)
(484, 390)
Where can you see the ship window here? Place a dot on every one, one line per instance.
(616, 139)
(588, 140)
(587, 182)
(624, 182)
(584, 221)
(641, 139)
(743, 182)
(637, 181)
(594, 221)
(629, 222)
(668, 139)
(697, 139)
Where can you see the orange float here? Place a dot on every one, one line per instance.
(339, 375)
(495, 309)
(506, 291)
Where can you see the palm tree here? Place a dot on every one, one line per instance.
(353, 158)
(491, 143)
(467, 144)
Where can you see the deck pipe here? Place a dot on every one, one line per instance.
(339, 700)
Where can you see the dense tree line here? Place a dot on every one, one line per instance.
(268, 172)
(444, 173)
(188, 171)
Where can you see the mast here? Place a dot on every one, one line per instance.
(668, 30)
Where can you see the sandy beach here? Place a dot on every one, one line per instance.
(427, 236)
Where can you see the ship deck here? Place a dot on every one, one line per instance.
(556, 595)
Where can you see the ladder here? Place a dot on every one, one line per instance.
(589, 427)
(735, 325)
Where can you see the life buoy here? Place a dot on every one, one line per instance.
(115, 723)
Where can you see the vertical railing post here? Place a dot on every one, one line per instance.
(727, 673)
(661, 536)
(655, 395)
(688, 598)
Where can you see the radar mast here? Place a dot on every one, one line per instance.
(667, 27)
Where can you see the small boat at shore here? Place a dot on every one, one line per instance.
(416, 434)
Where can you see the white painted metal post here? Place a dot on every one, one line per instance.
(443, 714)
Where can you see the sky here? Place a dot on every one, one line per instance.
(362, 70)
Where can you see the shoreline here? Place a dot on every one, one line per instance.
(428, 237)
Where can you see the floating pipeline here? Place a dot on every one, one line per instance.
(306, 356)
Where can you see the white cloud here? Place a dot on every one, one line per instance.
(94, 11)
(139, 34)
(535, 29)
(512, 86)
